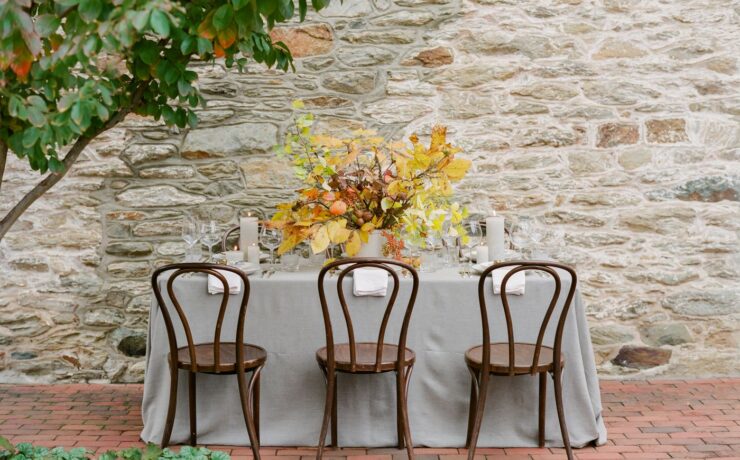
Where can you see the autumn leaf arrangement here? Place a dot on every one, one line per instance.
(354, 186)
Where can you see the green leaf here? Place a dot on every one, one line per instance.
(160, 23)
(30, 136)
(36, 117)
(183, 87)
(302, 9)
(103, 113)
(319, 4)
(286, 8)
(7, 445)
(223, 17)
(192, 119)
(76, 113)
(186, 46)
(47, 24)
(140, 20)
(56, 166)
(90, 9)
(204, 47)
(239, 4)
(151, 452)
(37, 101)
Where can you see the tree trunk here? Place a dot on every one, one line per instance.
(3, 159)
(69, 160)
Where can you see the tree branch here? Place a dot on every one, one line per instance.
(3, 159)
(69, 160)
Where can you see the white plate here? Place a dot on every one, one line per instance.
(247, 267)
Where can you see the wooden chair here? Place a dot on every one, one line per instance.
(513, 358)
(217, 357)
(366, 357)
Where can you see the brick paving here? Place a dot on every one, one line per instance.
(645, 419)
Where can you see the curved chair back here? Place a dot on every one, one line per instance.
(208, 269)
(519, 266)
(347, 266)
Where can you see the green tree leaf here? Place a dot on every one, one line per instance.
(160, 23)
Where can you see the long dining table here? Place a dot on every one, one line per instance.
(284, 316)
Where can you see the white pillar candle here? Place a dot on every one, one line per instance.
(481, 254)
(495, 237)
(248, 233)
(253, 254)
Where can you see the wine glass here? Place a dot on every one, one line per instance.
(472, 239)
(449, 238)
(210, 235)
(520, 235)
(190, 234)
(270, 238)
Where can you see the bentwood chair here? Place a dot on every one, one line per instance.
(513, 358)
(217, 357)
(366, 357)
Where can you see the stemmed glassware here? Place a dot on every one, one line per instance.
(449, 238)
(191, 235)
(271, 238)
(210, 235)
(472, 239)
(520, 236)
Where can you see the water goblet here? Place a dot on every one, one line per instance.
(210, 236)
(271, 238)
(191, 235)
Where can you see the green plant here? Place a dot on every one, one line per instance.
(72, 69)
(26, 451)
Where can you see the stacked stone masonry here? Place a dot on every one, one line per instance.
(616, 121)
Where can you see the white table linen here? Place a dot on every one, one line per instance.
(284, 316)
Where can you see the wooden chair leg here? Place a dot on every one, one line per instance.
(399, 412)
(472, 406)
(245, 391)
(482, 391)
(192, 403)
(256, 403)
(171, 408)
(334, 417)
(330, 382)
(557, 380)
(543, 405)
(402, 382)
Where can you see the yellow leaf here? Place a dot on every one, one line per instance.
(439, 138)
(297, 104)
(320, 240)
(457, 168)
(368, 227)
(337, 231)
(353, 244)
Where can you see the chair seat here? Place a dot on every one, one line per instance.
(253, 357)
(523, 356)
(366, 354)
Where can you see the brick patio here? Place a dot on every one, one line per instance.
(645, 419)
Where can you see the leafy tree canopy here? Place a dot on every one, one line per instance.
(71, 69)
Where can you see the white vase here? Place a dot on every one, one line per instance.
(374, 245)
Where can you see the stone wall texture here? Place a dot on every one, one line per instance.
(615, 121)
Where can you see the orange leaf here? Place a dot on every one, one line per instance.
(227, 37)
(206, 31)
(218, 51)
(21, 68)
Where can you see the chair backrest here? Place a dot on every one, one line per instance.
(519, 266)
(347, 266)
(208, 269)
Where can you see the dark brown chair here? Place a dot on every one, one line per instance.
(366, 357)
(217, 357)
(513, 358)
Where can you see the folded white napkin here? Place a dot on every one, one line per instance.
(370, 282)
(515, 285)
(215, 286)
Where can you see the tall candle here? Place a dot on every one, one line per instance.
(495, 237)
(248, 234)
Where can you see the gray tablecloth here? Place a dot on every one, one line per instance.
(284, 317)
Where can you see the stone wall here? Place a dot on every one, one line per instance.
(613, 120)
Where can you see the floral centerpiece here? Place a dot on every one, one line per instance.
(356, 186)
